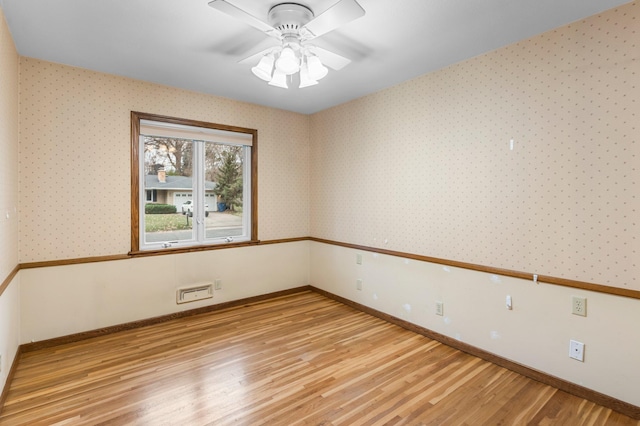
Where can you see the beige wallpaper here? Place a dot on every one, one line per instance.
(8, 151)
(427, 167)
(75, 149)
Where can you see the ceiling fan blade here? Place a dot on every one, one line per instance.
(254, 58)
(330, 59)
(241, 15)
(261, 49)
(339, 14)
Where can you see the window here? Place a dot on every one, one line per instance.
(192, 183)
(152, 195)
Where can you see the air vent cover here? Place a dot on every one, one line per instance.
(191, 294)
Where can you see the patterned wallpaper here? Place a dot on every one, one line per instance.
(424, 167)
(427, 167)
(75, 154)
(8, 151)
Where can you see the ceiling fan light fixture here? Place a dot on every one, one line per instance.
(317, 71)
(288, 63)
(294, 25)
(279, 79)
(305, 80)
(264, 69)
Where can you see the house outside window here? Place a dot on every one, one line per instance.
(152, 195)
(194, 183)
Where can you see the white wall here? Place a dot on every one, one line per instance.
(9, 327)
(62, 300)
(9, 299)
(536, 332)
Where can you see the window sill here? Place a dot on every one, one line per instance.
(144, 253)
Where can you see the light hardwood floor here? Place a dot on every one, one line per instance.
(299, 359)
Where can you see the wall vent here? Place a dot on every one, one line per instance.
(191, 294)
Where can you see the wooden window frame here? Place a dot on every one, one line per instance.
(135, 181)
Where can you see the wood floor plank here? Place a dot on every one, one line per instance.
(300, 359)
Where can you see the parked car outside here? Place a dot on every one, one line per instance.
(187, 208)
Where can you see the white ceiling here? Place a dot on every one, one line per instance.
(187, 44)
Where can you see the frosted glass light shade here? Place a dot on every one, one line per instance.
(316, 69)
(287, 63)
(305, 80)
(264, 68)
(279, 79)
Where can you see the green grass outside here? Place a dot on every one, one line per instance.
(166, 222)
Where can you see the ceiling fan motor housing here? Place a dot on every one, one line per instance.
(288, 18)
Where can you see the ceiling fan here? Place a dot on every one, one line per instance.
(294, 25)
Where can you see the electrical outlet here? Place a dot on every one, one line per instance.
(218, 284)
(359, 259)
(359, 284)
(576, 350)
(439, 308)
(579, 306)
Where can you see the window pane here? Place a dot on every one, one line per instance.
(168, 182)
(194, 188)
(224, 171)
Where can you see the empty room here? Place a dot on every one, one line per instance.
(336, 212)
